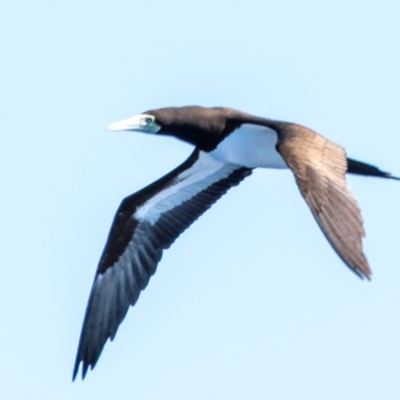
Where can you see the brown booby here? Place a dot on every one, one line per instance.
(228, 145)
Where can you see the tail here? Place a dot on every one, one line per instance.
(360, 168)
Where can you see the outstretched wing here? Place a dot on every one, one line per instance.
(319, 166)
(145, 224)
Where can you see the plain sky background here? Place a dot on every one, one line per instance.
(249, 303)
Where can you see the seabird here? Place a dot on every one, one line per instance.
(229, 144)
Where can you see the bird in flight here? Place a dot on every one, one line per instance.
(229, 144)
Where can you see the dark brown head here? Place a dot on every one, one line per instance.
(203, 127)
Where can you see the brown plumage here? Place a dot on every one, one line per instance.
(228, 145)
(319, 167)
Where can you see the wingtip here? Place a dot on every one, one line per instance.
(75, 372)
(362, 274)
(85, 368)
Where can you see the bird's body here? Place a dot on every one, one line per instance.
(257, 146)
(228, 145)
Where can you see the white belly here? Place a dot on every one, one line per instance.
(251, 146)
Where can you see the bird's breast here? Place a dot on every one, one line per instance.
(251, 146)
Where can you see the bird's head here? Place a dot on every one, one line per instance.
(145, 123)
(202, 127)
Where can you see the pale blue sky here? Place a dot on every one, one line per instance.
(251, 302)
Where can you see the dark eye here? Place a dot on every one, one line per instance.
(148, 120)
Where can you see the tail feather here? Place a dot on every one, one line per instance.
(360, 168)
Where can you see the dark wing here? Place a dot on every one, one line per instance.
(145, 224)
(319, 166)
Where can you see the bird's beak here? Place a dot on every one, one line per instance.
(140, 123)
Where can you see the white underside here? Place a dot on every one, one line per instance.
(205, 171)
(251, 146)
